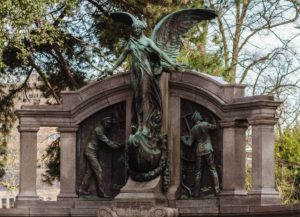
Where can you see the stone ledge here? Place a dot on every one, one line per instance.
(16, 212)
(44, 204)
(228, 211)
(90, 204)
(203, 203)
(84, 212)
(40, 212)
(197, 211)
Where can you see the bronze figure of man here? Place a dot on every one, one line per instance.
(96, 140)
(199, 136)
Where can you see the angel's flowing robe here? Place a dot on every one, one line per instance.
(147, 106)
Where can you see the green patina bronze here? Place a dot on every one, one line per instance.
(97, 139)
(200, 137)
(147, 146)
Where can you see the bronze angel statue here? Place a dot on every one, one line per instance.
(147, 157)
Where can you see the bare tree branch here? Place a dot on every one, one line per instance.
(269, 25)
(47, 83)
(254, 62)
(65, 67)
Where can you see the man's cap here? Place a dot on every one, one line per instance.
(197, 116)
(109, 119)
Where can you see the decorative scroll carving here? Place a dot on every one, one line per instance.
(163, 212)
(106, 212)
(153, 212)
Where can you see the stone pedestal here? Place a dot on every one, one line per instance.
(140, 199)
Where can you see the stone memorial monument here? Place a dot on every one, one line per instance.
(158, 141)
(147, 150)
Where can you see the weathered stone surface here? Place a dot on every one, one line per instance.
(193, 208)
(68, 163)
(16, 212)
(88, 212)
(45, 204)
(138, 198)
(174, 148)
(263, 158)
(28, 164)
(41, 212)
(91, 204)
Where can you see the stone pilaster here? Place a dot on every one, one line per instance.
(128, 117)
(234, 158)
(67, 163)
(240, 158)
(228, 156)
(164, 83)
(28, 163)
(174, 147)
(263, 182)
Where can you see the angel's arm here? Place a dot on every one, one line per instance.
(121, 58)
(162, 54)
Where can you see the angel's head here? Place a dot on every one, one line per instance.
(138, 27)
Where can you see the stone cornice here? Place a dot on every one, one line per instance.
(221, 89)
(102, 100)
(234, 124)
(263, 121)
(73, 99)
(238, 108)
(28, 128)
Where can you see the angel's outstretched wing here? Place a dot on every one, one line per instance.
(124, 17)
(168, 30)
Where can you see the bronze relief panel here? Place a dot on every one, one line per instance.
(101, 170)
(201, 152)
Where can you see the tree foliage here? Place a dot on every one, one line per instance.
(51, 159)
(288, 165)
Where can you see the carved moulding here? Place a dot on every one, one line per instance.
(153, 212)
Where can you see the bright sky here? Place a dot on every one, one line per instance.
(287, 32)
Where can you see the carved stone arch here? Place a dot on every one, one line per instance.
(92, 106)
(212, 105)
(205, 90)
(88, 107)
(92, 98)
